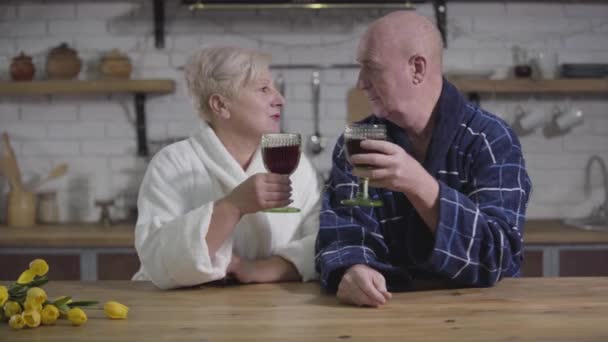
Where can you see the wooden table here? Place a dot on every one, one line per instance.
(529, 309)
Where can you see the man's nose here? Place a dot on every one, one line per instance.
(362, 82)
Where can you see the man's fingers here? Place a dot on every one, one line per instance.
(369, 290)
(380, 146)
(380, 284)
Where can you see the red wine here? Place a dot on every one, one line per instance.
(353, 146)
(282, 159)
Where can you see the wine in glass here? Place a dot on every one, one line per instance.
(354, 134)
(281, 154)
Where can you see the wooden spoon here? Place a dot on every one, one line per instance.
(9, 165)
(56, 172)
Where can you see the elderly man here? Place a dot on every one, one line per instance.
(451, 176)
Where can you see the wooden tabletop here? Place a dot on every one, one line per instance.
(526, 309)
(537, 232)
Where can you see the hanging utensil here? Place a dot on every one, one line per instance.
(316, 143)
(56, 172)
(9, 166)
(280, 82)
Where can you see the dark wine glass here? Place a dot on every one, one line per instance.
(354, 134)
(281, 154)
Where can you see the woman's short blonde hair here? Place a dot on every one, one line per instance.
(221, 70)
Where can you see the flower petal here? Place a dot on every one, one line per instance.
(39, 266)
(26, 277)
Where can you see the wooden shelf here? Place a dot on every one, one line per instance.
(519, 86)
(160, 86)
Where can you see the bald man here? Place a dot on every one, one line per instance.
(451, 176)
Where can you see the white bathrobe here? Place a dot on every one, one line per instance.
(176, 203)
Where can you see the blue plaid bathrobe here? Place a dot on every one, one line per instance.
(483, 193)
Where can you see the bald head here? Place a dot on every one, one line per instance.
(409, 33)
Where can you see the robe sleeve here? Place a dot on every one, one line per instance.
(300, 251)
(170, 234)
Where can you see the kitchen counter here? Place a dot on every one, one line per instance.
(537, 232)
(525, 309)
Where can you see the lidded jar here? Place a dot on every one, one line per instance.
(63, 63)
(22, 68)
(115, 65)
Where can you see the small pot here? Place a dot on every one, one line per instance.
(22, 68)
(522, 71)
(63, 63)
(115, 65)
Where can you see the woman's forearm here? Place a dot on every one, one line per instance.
(276, 269)
(223, 220)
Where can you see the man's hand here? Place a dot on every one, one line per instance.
(362, 285)
(391, 167)
(261, 191)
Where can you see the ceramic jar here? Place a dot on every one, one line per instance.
(21, 209)
(63, 63)
(115, 65)
(22, 68)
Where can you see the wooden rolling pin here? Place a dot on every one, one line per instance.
(9, 166)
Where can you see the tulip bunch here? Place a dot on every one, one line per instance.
(25, 304)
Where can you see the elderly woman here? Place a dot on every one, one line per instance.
(201, 201)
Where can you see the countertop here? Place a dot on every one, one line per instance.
(525, 309)
(537, 232)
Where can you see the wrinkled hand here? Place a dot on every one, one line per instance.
(261, 191)
(362, 285)
(242, 269)
(391, 168)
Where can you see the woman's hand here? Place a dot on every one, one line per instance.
(261, 191)
(268, 270)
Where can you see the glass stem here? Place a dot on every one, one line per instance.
(363, 188)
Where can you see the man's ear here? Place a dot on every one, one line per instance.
(418, 64)
(219, 106)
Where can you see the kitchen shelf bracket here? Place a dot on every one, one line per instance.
(140, 124)
(159, 24)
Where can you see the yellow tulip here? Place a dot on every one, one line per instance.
(3, 295)
(31, 318)
(39, 267)
(32, 305)
(115, 310)
(26, 277)
(36, 294)
(49, 314)
(11, 308)
(77, 316)
(16, 322)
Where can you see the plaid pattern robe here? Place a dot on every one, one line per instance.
(483, 194)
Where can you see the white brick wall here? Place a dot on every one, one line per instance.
(95, 134)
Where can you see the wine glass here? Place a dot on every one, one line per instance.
(281, 154)
(354, 134)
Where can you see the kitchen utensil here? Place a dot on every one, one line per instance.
(357, 105)
(21, 208)
(316, 143)
(8, 164)
(280, 81)
(56, 172)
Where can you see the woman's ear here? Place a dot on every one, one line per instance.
(219, 106)
(418, 64)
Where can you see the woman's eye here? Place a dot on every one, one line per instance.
(265, 89)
